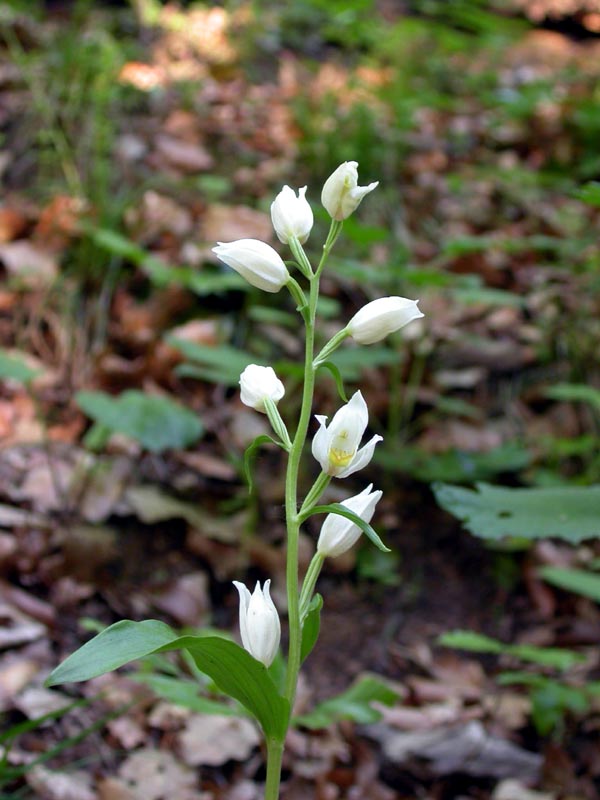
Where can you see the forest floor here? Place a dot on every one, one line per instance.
(129, 147)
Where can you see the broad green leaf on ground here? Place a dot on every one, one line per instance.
(354, 704)
(233, 670)
(571, 513)
(342, 511)
(453, 465)
(217, 364)
(15, 369)
(579, 581)
(553, 657)
(311, 627)
(158, 423)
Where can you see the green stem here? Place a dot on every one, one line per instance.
(315, 492)
(291, 501)
(310, 581)
(274, 758)
(291, 479)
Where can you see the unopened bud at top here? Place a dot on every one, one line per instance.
(260, 628)
(258, 383)
(341, 195)
(292, 216)
(255, 261)
(381, 317)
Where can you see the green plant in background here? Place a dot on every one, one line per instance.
(252, 675)
(551, 698)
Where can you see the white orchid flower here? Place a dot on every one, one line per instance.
(339, 534)
(374, 321)
(259, 622)
(341, 194)
(336, 447)
(292, 216)
(256, 261)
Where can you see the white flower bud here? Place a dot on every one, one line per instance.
(255, 261)
(291, 215)
(341, 195)
(260, 628)
(339, 534)
(336, 447)
(381, 317)
(258, 383)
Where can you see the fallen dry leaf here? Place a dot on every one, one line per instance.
(222, 223)
(16, 628)
(51, 785)
(33, 266)
(466, 748)
(150, 774)
(212, 740)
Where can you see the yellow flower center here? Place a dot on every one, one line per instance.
(339, 455)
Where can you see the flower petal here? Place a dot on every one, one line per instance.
(362, 458)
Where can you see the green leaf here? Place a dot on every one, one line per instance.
(582, 582)
(553, 657)
(337, 377)
(218, 364)
(590, 193)
(454, 465)
(354, 704)
(163, 274)
(250, 453)
(311, 627)
(575, 392)
(234, 671)
(471, 641)
(185, 693)
(342, 511)
(15, 369)
(570, 513)
(158, 423)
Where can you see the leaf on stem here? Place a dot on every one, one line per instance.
(311, 627)
(234, 671)
(338, 508)
(251, 451)
(337, 377)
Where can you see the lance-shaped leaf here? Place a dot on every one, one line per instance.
(233, 670)
(338, 508)
(311, 627)
(334, 370)
(250, 453)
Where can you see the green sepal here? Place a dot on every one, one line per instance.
(337, 377)
(311, 627)
(234, 671)
(250, 452)
(342, 511)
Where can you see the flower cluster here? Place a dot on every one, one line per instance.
(336, 446)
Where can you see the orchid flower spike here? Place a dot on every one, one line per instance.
(259, 622)
(341, 194)
(292, 216)
(256, 261)
(339, 534)
(258, 383)
(374, 321)
(336, 447)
